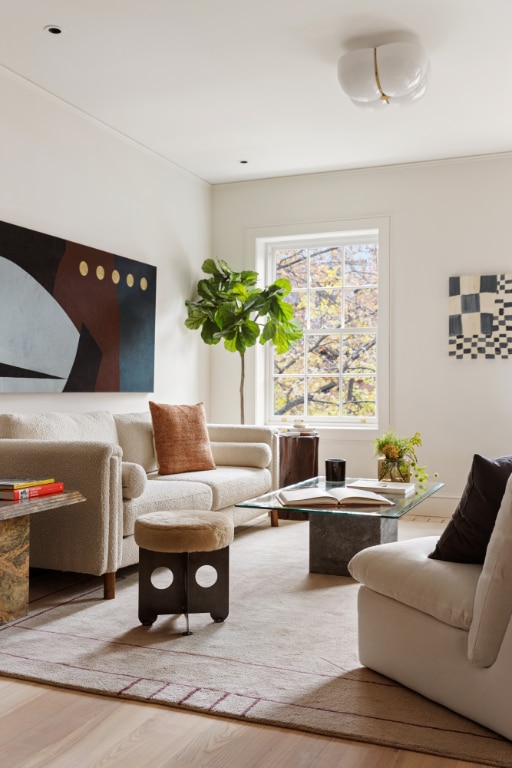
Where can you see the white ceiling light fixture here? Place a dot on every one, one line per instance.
(395, 73)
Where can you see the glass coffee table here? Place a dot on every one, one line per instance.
(337, 534)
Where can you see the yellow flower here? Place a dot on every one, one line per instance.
(391, 452)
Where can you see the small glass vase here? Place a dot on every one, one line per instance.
(394, 470)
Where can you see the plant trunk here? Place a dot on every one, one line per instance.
(242, 385)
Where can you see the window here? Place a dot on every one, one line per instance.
(333, 376)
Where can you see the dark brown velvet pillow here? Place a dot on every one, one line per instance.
(465, 538)
(181, 436)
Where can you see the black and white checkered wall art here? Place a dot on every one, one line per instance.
(480, 322)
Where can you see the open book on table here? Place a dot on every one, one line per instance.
(334, 497)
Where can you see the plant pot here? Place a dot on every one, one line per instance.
(392, 471)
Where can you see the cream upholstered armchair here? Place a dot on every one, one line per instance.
(440, 627)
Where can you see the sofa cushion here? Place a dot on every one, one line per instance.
(94, 426)
(403, 571)
(229, 485)
(181, 438)
(240, 433)
(466, 536)
(163, 496)
(134, 480)
(135, 435)
(493, 600)
(241, 454)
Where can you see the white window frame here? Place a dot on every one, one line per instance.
(258, 241)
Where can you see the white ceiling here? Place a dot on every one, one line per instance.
(210, 83)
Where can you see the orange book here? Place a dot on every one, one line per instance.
(17, 494)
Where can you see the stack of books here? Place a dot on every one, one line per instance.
(385, 487)
(18, 488)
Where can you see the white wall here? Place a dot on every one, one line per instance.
(64, 174)
(447, 218)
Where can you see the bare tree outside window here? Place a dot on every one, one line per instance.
(332, 370)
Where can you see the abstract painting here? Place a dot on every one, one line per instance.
(73, 318)
(480, 317)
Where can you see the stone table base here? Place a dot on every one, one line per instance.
(15, 548)
(335, 539)
(14, 566)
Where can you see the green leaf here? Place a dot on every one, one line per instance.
(281, 341)
(294, 330)
(230, 344)
(210, 267)
(194, 309)
(285, 310)
(284, 285)
(249, 333)
(268, 332)
(226, 270)
(255, 302)
(193, 323)
(209, 332)
(240, 291)
(206, 290)
(241, 346)
(248, 277)
(226, 315)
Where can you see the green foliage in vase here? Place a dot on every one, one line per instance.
(397, 450)
(230, 307)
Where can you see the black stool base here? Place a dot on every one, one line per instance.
(184, 595)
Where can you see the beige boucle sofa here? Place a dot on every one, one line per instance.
(111, 459)
(443, 629)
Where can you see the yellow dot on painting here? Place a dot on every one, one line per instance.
(100, 272)
(115, 276)
(130, 281)
(143, 284)
(84, 268)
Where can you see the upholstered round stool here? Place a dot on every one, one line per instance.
(182, 543)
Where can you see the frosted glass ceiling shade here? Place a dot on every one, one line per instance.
(396, 73)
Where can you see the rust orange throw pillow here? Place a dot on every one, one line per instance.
(181, 438)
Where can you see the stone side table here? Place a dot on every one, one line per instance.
(15, 546)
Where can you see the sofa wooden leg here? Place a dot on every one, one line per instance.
(274, 518)
(109, 585)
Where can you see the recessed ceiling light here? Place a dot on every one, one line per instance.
(243, 162)
(53, 29)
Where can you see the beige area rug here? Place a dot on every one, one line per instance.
(286, 655)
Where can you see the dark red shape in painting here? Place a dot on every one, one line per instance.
(91, 301)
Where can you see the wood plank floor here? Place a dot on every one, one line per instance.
(45, 727)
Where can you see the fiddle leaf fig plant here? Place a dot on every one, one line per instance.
(232, 308)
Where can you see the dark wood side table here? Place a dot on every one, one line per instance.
(15, 548)
(298, 460)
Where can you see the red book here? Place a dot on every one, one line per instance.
(17, 494)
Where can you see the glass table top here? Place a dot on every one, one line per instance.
(402, 505)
